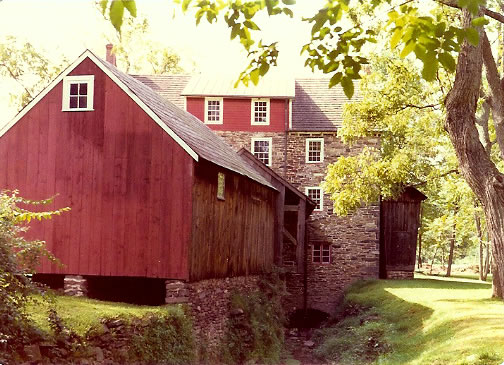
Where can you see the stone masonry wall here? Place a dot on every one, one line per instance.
(209, 301)
(240, 140)
(354, 240)
(399, 275)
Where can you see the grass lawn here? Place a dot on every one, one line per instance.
(80, 314)
(429, 320)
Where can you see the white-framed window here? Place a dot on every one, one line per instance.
(314, 150)
(316, 194)
(262, 148)
(78, 93)
(214, 110)
(260, 112)
(321, 253)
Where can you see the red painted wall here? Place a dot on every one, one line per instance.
(237, 115)
(129, 184)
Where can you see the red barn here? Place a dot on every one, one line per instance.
(153, 191)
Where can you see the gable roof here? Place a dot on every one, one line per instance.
(317, 107)
(188, 131)
(224, 86)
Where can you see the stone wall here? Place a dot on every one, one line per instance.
(240, 140)
(209, 302)
(354, 240)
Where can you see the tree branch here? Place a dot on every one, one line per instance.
(15, 78)
(493, 78)
(453, 171)
(490, 13)
(433, 106)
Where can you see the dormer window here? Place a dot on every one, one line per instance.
(260, 112)
(213, 110)
(78, 93)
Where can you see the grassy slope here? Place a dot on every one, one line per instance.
(423, 321)
(80, 314)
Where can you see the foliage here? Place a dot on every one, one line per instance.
(163, 340)
(256, 329)
(421, 321)
(20, 62)
(154, 58)
(18, 257)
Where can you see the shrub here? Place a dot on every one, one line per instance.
(18, 258)
(255, 330)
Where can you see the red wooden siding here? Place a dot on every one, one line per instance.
(128, 183)
(234, 236)
(237, 115)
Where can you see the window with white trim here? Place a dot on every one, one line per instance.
(213, 110)
(262, 148)
(316, 194)
(260, 111)
(78, 93)
(321, 253)
(314, 150)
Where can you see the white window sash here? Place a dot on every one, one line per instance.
(80, 79)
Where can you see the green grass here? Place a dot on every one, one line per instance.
(80, 314)
(429, 320)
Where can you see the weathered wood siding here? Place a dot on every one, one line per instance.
(234, 236)
(127, 182)
(400, 220)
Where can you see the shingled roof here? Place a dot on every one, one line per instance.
(317, 107)
(168, 86)
(190, 129)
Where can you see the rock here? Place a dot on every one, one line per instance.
(309, 344)
(98, 354)
(237, 312)
(33, 352)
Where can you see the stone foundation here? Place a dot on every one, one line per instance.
(209, 302)
(398, 275)
(75, 285)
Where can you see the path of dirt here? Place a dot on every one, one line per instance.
(300, 345)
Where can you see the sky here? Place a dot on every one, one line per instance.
(68, 27)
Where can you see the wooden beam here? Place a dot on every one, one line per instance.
(291, 208)
(301, 226)
(289, 236)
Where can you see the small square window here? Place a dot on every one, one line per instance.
(261, 148)
(314, 150)
(78, 93)
(317, 195)
(260, 111)
(321, 253)
(221, 185)
(213, 110)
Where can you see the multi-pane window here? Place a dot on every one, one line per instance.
(261, 148)
(316, 194)
(213, 110)
(314, 150)
(321, 253)
(78, 93)
(260, 111)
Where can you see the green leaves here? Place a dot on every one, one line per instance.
(116, 11)
(472, 36)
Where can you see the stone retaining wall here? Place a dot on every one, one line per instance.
(400, 275)
(209, 302)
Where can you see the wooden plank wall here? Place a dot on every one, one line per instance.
(234, 236)
(129, 185)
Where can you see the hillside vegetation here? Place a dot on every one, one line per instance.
(428, 320)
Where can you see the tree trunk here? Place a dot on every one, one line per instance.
(487, 261)
(432, 262)
(477, 220)
(452, 245)
(419, 260)
(479, 171)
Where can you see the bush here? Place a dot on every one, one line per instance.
(18, 258)
(255, 331)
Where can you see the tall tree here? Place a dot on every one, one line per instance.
(336, 48)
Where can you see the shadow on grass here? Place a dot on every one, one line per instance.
(380, 324)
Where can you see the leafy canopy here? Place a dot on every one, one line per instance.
(338, 34)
